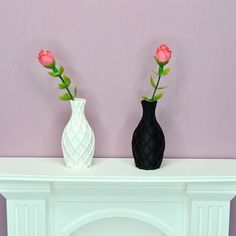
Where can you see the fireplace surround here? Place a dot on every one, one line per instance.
(182, 198)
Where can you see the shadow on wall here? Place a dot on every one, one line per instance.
(3, 218)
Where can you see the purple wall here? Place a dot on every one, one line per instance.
(106, 47)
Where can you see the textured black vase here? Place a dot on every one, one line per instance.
(148, 142)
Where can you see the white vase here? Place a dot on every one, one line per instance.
(78, 141)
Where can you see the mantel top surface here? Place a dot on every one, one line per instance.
(117, 170)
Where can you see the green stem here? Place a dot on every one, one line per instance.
(56, 70)
(159, 78)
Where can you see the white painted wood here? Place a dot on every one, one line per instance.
(118, 170)
(210, 218)
(26, 217)
(116, 226)
(183, 198)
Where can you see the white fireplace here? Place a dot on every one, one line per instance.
(182, 198)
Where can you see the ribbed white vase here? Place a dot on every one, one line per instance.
(78, 141)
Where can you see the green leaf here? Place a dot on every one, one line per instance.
(157, 96)
(152, 82)
(62, 85)
(60, 71)
(67, 80)
(166, 71)
(65, 97)
(66, 84)
(57, 72)
(162, 87)
(75, 91)
(147, 99)
(53, 74)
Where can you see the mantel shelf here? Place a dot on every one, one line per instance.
(117, 170)
(46, 198)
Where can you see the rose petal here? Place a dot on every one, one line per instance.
(161, 56)
(163, 47)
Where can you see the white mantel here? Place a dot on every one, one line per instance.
(182, 198)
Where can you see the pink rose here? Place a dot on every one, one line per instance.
(163, 54)
(46, 59)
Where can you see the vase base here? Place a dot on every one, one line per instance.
(142, 166)
(77, 167)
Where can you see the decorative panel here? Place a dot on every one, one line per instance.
(209, 218)
(26, 218)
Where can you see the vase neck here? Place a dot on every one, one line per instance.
(77, 106)
(149, 108)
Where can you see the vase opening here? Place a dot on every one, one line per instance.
(149, 107)
(78, 100)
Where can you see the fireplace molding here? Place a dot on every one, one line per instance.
(183, 198)
(117, 213)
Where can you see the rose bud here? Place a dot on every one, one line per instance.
(46, 59)
(163, 55)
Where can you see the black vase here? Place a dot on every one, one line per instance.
(148, 142)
